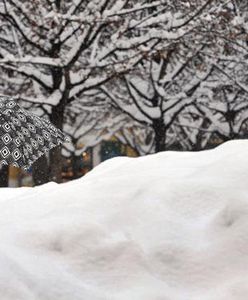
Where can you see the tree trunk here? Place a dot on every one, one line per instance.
(56, 164)
(55, 153)
(40, 171)
(200, 136)
(74, 166)
(160, 134)
(4, 176)
(57, 117)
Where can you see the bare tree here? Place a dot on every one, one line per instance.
(150, 58)
(61, 49)
(228, 112)
(159, 90)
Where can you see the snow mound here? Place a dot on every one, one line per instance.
(168, 226)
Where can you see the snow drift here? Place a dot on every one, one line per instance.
(169, 226)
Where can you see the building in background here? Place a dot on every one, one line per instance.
(77, 166)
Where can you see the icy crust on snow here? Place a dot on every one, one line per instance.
(169, 226)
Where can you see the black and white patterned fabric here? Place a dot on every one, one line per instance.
(24, 137)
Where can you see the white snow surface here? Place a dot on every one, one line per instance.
(168, 226)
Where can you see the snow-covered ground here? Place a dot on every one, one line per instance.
(169, 226)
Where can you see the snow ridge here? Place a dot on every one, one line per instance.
(168, 226)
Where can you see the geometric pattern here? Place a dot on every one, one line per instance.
(24, 137)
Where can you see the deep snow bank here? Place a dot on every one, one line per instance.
(170, 226)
